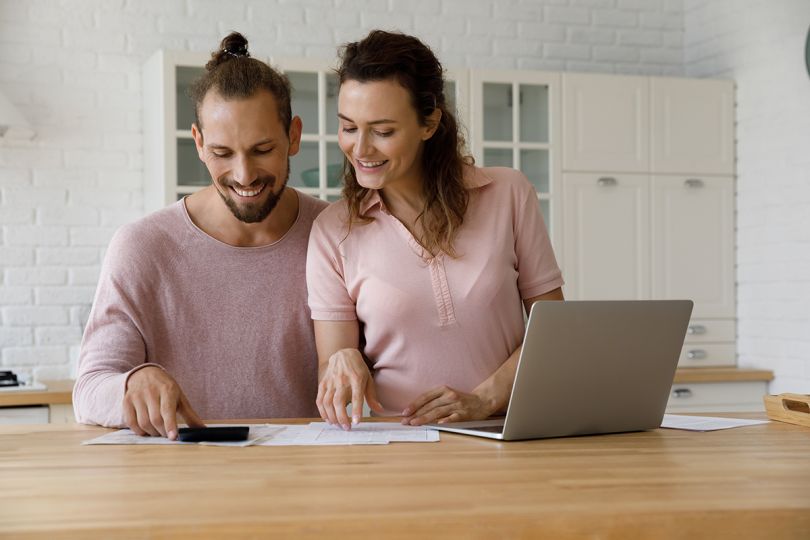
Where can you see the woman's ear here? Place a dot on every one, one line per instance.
(432, 123)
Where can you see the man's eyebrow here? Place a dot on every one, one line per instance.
(381, 121)
(218, 146)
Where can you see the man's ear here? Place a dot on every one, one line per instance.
(198, 140)
(431, 124)
(296, 127)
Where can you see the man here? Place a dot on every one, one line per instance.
(201, 307)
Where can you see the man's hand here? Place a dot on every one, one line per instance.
(445, 404)
(346, 379)
(152, 400)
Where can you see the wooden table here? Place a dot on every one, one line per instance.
(751, 482)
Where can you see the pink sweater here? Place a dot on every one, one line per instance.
(230, 324)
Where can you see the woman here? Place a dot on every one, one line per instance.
(416, 277)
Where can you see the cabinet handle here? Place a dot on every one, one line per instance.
(606, 181)
(681, 393)
(693, 183)
(695, 330)
(696, 354)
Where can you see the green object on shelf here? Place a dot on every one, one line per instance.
(333, 174)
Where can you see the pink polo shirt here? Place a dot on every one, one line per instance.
(443, 320)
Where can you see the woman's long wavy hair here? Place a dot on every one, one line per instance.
(393, 56)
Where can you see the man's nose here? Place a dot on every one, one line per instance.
(244, 172)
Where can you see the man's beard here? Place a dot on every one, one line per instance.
(253, 213)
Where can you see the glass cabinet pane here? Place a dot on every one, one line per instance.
(331, 103)
(184, 77)
(546, 211)
(304, 166)
(334, 165)
(305, 98)
(534, 164)
(497, 112)
(498, 157)
(533, 113)
(190, 170)
(450, 97)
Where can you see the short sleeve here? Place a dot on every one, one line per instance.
(538, 272)
(329, 299)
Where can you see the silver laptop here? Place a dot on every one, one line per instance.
(590, 367)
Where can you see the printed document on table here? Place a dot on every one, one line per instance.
(309, 435)
(127, 436)
(394, 431)
(705, 423)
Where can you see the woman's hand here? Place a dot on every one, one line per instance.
(346, 379)
(444, 404)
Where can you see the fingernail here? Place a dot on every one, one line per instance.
(346, 427)
(355, 420)
(172, 435)
(406, 412)
(404, 422)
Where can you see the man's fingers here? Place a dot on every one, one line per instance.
(168, 410)
(142, 412)
(131, 419)
(189, 414)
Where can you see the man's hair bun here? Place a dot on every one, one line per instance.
(234, 45)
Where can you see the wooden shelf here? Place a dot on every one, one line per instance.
(57, 393)
(705, 375)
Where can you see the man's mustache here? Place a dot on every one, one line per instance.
(264, 180)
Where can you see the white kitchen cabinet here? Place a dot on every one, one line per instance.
(693, 242)
(677, 135)
(606, 236)
(717, 397)
(692, 126)
(606, 123)
(514, 121)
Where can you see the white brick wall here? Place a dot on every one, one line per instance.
(73, 68)
(760, 44)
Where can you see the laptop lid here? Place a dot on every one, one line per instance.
(596, 367)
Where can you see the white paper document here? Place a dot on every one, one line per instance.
(314, 434)
(393, 432)
(127, 436)
(705, 423)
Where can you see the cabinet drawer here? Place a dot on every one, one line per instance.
(710, 330)
(717, 397)
(24, 415)
(707, 354)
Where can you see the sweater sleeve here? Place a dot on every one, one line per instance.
(113, 346)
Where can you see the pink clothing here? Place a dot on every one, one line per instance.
(441, 321)
(230, 324)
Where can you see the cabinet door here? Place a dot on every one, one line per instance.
(606, 237)
(692, 126)
(605, 123)
(515, 122)
(693, 242)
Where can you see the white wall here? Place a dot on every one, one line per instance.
(73, 68)
(760, 44)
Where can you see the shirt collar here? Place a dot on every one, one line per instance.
(474, 178)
